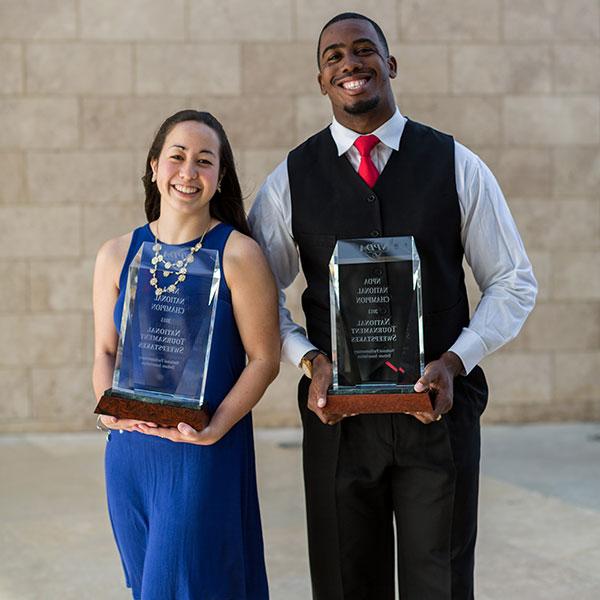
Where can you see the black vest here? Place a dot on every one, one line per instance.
(414, 195)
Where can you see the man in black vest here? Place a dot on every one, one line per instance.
(374, 173)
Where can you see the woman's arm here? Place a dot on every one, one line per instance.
(254, 298)
(105, 294)
(109, 263)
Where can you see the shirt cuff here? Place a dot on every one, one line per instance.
(470, 348)
(294, 348)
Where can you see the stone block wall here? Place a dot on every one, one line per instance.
(84, 84)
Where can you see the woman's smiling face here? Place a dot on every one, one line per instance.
(187, 169)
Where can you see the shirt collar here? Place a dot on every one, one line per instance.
(389, 133)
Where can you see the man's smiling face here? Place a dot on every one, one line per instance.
(355, 70)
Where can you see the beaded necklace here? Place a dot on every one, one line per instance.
(169, 267)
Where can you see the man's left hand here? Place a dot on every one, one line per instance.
(438, 378)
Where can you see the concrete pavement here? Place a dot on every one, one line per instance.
(539, 516)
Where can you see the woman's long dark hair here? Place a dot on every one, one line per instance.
(226, 205)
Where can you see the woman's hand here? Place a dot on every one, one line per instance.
(182, 433)
(125, 424)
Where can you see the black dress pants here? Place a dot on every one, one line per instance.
(359, 475)
(367, 469)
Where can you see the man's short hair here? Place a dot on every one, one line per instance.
(351, 15)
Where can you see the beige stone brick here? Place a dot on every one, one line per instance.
(101, 223)
(577, 375)
(79, 68)
(577, 68)
(12, 175)
(576, 275)
(61, 285)
(241, 21)
(38, 19)
(576, 171)
(471, 120)
(501, 69)
(256, 122)
(558, 224)
(133, 20)
(126, 123)
(551, 120)
(37, 232)
(422, 69)
(313, 14)
(62, 393)
(313, 113)
(519, 377)
(14, 288)
(525, 172)
(44, 123)
(40, 340)
(563, 325)
(551, 20)
(254, 166)
(82, 177)
(278, 68)
(15, 400)
(451, 20)
(11, 74)
(188, 69)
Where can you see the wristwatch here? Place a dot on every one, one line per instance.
(307, 361)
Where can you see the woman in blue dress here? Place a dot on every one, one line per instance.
(183, 503)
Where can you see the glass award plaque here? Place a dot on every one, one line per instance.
(376, 326)
(165, 337)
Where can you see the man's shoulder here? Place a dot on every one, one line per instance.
(423, 131)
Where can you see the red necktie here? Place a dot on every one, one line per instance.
(367, 170)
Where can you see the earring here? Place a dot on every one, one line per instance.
(153, 177)
(219, 187)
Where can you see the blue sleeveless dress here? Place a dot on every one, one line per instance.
(186, 518)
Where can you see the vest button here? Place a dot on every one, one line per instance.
(371, 198)
(375, 233)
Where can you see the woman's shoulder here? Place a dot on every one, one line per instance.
(241, 247)
(112, 254)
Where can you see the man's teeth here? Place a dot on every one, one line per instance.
(185, 190)
(354, 85)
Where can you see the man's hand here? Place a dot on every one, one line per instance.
(322, 376)
(438, 378)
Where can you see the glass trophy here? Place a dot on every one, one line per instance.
(165, 337)
(376, 326)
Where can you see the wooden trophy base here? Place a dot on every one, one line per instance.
(350, 404)
(166, 415)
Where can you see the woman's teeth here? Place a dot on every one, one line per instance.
(185, 189)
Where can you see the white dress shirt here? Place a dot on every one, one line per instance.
(492, 245)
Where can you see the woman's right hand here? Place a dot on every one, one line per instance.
(124, 424)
